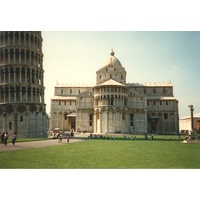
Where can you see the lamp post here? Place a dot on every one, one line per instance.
(191, 116)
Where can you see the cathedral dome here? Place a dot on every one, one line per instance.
(112, 60)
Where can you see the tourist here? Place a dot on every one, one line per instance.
(68, 139)
(72, 132)
(152, 136)
(179, 136)
(14, 137)
(61, 137)
(58, 136)
(5, 138)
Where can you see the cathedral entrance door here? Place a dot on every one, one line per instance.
(153, 127)
(73, 123)
(153, 123)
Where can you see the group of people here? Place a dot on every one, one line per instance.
(130, 138)
(146, 138)
(95, 136)
(101, 136)
(68, 135)
(61, 136)
(4, 138)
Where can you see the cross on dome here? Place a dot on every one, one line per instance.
(112, 52)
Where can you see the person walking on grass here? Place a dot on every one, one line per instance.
(179, 136)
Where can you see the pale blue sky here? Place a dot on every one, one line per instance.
(74, 57)
(147, 56)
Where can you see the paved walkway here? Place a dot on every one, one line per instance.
(36, 144)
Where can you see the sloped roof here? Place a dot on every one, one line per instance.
(111, 82)
(73, 114)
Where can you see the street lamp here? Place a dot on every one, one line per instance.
(191, 114)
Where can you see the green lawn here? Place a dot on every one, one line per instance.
(161, 153)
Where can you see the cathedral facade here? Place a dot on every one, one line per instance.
(114, 106)
(22, 107)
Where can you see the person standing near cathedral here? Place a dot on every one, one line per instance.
(5, 138)
(68, 138)
(61, 136)
(14, 137)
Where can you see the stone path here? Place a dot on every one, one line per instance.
(36, 144)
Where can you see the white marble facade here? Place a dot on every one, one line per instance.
(114, 106)
(22, 105)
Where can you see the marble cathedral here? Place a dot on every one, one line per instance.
(114, 106)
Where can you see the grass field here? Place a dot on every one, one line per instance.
(161, 153)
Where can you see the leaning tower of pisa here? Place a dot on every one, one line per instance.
(22, 106)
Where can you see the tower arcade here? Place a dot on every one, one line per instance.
(22, 106)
